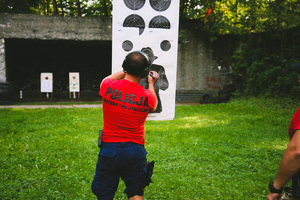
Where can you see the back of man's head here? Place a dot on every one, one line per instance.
(136, 64)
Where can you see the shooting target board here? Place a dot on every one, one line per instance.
(150, 26)
(74, 85)
(47, 82)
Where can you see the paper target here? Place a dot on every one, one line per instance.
(135, 21)
(47, 82)
(74, 85)
(150, 26)
(159, 22)
(134, 4)
(160, 5)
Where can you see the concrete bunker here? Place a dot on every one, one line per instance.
(27, 59)
(31, 44)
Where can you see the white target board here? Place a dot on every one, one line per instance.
(47, 82)
(151, 26)
(74, 85)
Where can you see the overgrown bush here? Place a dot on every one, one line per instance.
(262, 66)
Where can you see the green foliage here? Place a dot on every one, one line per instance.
(17, 6)
(240, 17)
(228, 17)
(281, 14)
(99, 8)
(262, 65)
(52, 153)
(76, 8)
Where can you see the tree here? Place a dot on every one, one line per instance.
(55, 8)
(16, 6)
(78, 7)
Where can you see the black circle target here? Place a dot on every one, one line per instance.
(127, 45)
(134, 4)
(165, 45)
(160, 5)
(159, 22)
(135, 21)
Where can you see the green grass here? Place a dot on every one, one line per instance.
(213, 151)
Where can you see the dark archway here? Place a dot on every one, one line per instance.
(26, 59)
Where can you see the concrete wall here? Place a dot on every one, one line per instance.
(54, 27)
(198, 70)
(198, 67)
(2, 61)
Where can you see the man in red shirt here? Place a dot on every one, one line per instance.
(126, 105)
(290, 162)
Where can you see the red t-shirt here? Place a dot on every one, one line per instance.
(295, 123)
(125, 108)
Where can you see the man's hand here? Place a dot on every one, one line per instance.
(151, 82)
(273, 196)
(152, 77)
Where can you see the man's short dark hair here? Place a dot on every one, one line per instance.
(136, 64)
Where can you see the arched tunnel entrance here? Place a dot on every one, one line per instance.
(27, 59)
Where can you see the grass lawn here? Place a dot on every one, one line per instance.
(213, 151)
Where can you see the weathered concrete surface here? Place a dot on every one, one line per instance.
(54, 27)
(198, 69)
(2, 61)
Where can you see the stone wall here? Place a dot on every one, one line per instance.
(198, 68)
(203, 66)
(54, 27)
(2, 61)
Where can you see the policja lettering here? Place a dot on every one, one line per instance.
(138, 109)
(119, 96)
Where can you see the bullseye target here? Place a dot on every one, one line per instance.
(135, 21)
(160, 5)
(159, 22)
(134, 4)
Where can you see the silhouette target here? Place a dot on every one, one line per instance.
(159, 22)
(134, 4)
(160, 5)
(135, 21)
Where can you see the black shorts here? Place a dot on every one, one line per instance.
(119, 160)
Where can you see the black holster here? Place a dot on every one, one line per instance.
(296, 185)
(147, 177)
(100, 143)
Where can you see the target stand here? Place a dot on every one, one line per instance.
(74, 95)
(47, 85)
(74, 85)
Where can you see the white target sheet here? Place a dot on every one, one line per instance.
(151, 26)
